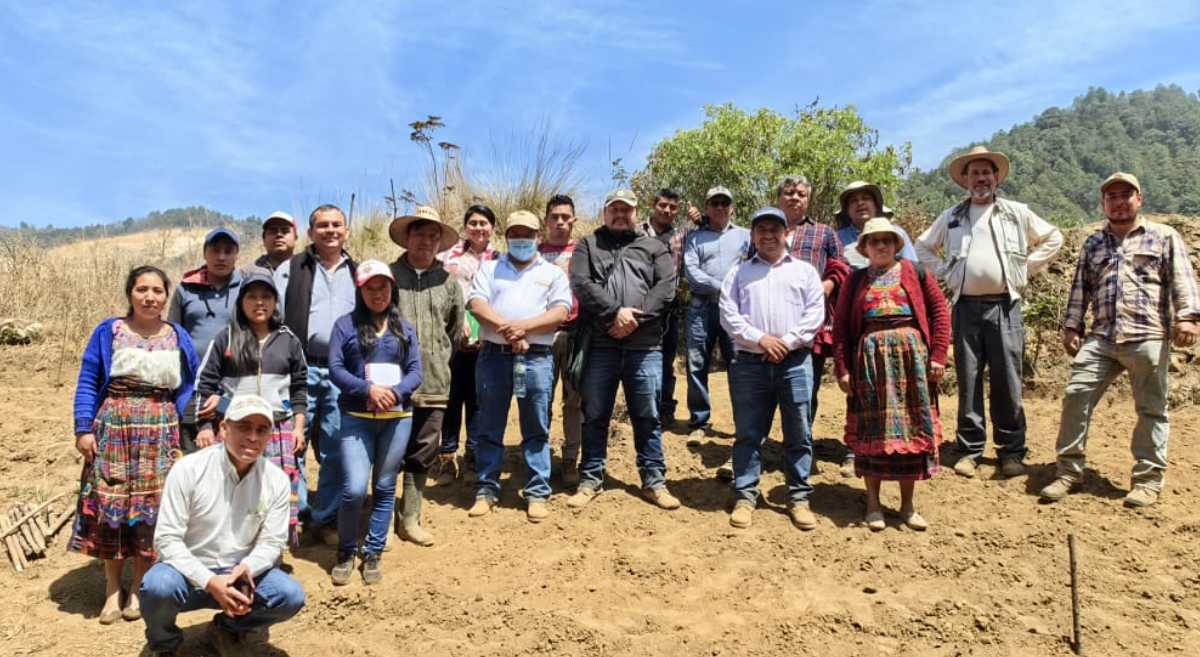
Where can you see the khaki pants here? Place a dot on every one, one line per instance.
(1095, 367)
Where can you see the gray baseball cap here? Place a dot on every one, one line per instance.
(625, 196)
(718, 191)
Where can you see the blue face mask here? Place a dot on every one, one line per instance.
(522, 250)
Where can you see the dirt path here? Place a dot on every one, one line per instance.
(623, 578)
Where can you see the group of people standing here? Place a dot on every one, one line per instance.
(380, 368)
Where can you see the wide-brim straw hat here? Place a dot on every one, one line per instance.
(874, 227)
(959, 165)
(861, 185)
(398, 231)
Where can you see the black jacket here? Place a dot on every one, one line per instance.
(611, 270)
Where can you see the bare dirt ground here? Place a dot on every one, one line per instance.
(621, 577)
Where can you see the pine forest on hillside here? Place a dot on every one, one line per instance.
(1060, 157)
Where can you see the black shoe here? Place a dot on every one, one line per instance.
(344, 569)
(226, 643)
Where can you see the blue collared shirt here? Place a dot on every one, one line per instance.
(708, 255)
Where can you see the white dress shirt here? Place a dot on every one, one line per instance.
(211, 519)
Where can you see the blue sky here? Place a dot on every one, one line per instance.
(113, 109)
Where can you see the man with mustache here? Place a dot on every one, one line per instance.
(1132, 273)
(985, 248)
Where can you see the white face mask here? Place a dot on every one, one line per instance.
(522, 250)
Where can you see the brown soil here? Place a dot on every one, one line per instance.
(620, 577)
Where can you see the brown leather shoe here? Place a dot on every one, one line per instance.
(661, 498)
(742, 516)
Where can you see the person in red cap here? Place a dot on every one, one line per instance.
(375, 361)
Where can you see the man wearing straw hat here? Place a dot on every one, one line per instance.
(1135, 276)
(431, 299)
(985, 248)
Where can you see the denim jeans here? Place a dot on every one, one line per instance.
(989, 335)
(640, 373)
(494, 382)
(1095, 367)
(322, 422)
(670, 347)
(757, 387)
(372, 450)
(165, 593)
(463, 401)
(703, 333)
(572, 413)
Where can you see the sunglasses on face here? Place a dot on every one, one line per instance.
(720, 203)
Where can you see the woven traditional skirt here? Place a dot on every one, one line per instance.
(137, 442)
(282, 452)
(892, 423)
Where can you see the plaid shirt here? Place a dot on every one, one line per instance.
(818, 245)
(1132, 285)
(673, 240)
(561, 257)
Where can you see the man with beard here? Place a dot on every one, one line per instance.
(985, 248)
(1135, 276)
(624, 283)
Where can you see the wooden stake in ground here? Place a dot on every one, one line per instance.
(12, 546)
(1077, 644)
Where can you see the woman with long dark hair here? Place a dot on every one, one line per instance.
(257, 355)
(375, 361)
(138, 371)
(463, 261)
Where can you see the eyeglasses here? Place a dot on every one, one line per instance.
(720, 203)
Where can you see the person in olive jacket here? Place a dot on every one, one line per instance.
(432, 300)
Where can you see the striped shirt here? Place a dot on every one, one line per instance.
(1132, 285)
(463, 263)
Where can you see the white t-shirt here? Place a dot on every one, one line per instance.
(984, 274)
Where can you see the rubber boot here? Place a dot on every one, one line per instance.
(409, 526)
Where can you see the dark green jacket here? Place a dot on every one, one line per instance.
(432, 302)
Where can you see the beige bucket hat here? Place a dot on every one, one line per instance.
(874, 227)
(398, 231)
(958, 166)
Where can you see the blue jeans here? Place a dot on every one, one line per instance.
(494, 381)
(463, 402)
(703, 333)
(322, 428)
(640, 373)
(989, 335)
(757, 387)
(367, 443)
(670, 346)
(165, 593)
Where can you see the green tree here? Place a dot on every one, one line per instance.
(751, 152)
